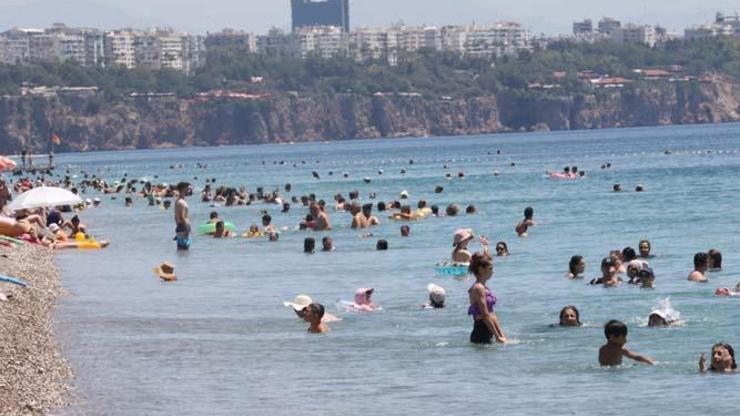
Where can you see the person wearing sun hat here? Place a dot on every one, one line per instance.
(301, 302)
(166, 272)
(460, 241)
(437, 296)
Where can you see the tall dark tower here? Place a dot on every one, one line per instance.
(320, 13)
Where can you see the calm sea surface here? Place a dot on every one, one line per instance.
(220, 342)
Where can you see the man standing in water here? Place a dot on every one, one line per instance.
(182, 219)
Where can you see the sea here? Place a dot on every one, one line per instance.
(219, 341)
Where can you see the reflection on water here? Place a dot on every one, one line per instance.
(220, 342)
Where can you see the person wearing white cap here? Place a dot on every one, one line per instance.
(437, 296)
(96, 201)
(301, 302)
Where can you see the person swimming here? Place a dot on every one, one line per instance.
(528, 221)
(437, 297)
(633, 270)
(502, 250)
(576, 267)
(664, 315)
(609, 267)
(644, 248)
(569, 316)
(714, 260)
(723, 359)
(701, 261)
(482, 302)
(314, 314)
(460, 241)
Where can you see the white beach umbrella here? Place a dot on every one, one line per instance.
(44, 196)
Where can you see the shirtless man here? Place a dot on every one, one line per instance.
(367, 212)
(701, 265)
(358, 219)
(182, 219)
(320, 217)
(313, 314)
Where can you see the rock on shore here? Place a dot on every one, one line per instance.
(33, 373)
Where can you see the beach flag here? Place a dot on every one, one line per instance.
(56, 139)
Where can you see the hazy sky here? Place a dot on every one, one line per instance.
(548, 16)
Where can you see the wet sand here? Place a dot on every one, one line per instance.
(33, 373)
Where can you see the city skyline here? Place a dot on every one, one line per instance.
(255, 16)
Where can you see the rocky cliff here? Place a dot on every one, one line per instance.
(87, 123)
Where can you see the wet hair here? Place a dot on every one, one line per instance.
(422, 204)
(75, 219)
(700, 260)
(367, 208)
(316, 309)
(405, 229)
(182, 185)
(528, 213)
(573, 263)
(214, 215)
(566, 169)
(439, 190)
(453, 210)
(354, 194)
(470, 209)
(608, 262)
(435, 210)
(645, 242)
(381, 206)
(617, 187)
(220, 224)
(382, 245)
(267, 218)
(729, 349)
(629, 254)
(309, 245)
(574, 309)
(478, 261)
(502, 244)
(716, 257)
(615, 328)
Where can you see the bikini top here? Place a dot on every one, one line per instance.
(490, 303)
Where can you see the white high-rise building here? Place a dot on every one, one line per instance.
(119, 48)
(637, 34)
(504, 38)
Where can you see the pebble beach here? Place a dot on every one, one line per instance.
(33, 373)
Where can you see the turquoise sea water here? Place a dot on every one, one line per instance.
(220, 342)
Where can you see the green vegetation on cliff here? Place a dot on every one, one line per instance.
(432, 74)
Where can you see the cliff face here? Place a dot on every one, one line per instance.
(86, 123)
(654, 104)
(169, 122)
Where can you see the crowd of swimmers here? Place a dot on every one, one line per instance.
(49, 227)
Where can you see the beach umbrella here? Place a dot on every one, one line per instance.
(7, 164)
(44, 196)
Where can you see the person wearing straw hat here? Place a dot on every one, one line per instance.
(437, 296)
(301, 302)
(166, 272)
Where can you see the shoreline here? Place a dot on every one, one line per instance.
(34, 376)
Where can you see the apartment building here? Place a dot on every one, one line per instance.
(120, 49)
(723, 26)
(231, 38)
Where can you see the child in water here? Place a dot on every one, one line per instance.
(611, 353)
